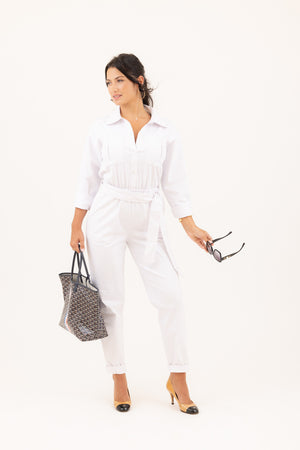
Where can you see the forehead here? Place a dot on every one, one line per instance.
(113, 72)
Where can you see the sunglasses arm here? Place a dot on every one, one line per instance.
(215, 240)
(231, 254)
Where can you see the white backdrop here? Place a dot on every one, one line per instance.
(227, 74)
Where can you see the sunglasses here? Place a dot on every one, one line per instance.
(216, 254)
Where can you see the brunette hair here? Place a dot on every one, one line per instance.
(132, 68)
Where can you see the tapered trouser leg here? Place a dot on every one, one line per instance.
(106, 244)
(106, 269)
(164, 292)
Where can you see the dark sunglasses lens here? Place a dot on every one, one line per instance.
(209, 248)
(217, 255)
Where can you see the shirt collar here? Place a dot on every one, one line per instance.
(115, 115)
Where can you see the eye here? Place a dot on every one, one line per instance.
(108, 82)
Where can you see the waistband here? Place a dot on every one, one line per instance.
(131, 195)
(152, 195)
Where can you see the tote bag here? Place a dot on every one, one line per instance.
(82, 311)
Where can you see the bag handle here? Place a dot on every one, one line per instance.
(73, 262)
(82, 259)
(79, 263)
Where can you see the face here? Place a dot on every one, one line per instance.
(120, 88)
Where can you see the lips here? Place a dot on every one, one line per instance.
(117, 96)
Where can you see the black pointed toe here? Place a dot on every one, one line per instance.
(192, 410)
(123, 407)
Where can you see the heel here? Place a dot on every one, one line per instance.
(172, 398)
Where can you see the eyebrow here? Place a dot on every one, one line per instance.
(107, 79)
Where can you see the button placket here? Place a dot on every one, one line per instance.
(133, 170)
(135, 143)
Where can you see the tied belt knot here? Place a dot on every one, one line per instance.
(156, 208)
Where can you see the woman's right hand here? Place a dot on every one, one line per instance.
(77, 236)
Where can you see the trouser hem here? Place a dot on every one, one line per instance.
(120, 368)
(179, 368)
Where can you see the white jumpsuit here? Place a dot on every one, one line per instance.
(119, 183)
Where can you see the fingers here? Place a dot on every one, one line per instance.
(77, 238)
(204, 248)
(81, 247)
(209, 238)
(75, 246)
(201, 243)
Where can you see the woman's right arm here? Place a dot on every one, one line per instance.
(76, 231)
(88, 184)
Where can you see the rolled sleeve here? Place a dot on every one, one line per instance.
(174, 180)
(89, 179)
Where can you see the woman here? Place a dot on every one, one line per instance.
(128, 154)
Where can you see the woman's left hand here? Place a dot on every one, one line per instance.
(197, 234)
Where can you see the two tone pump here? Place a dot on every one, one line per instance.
(190, 408)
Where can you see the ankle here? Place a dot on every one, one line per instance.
(178, 376)
(120, 380)
(119, 376)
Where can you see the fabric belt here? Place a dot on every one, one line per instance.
(156, 209)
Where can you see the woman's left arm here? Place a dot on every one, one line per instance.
(175, 186)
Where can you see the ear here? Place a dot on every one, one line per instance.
(141, 79)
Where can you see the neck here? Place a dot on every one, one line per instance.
(134, 111)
